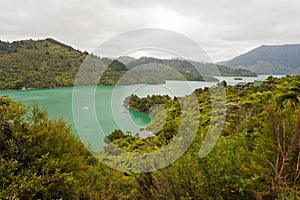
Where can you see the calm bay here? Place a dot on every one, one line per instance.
(109, 109)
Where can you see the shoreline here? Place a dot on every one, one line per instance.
(42, 88)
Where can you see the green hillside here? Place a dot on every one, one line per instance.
(38, 64)
(257, 155)
(49, 64)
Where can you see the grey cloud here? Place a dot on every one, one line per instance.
(225, 28)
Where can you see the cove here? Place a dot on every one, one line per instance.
(110, 113)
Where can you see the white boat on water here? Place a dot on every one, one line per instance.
(125, 111)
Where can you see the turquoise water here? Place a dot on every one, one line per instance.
(58, 103)
(105, 113)
(91, 125)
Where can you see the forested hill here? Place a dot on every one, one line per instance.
(49, 64)
(185, 66)
(269, 59)
(38, 64)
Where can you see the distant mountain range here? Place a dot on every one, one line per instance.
(48, 63)
(185, 67)
(276, 59)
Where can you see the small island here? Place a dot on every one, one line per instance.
(238, 79)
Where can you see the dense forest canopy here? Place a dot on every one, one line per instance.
(256, 157)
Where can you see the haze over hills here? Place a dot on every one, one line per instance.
(269, 59)
(48, 63)
(186, 67)
(126, 59)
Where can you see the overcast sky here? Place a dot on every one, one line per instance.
(223, 28)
